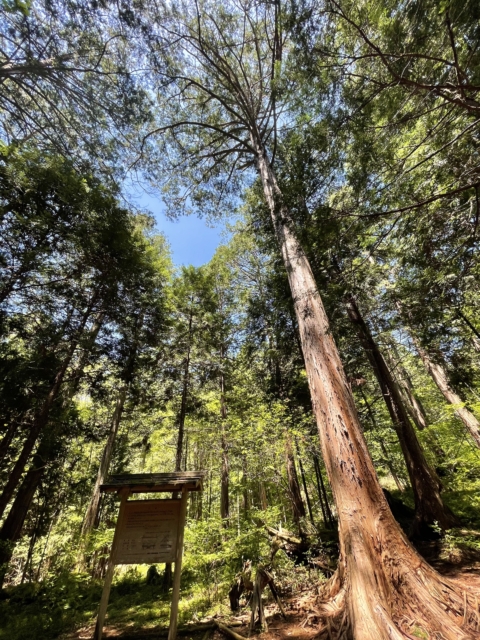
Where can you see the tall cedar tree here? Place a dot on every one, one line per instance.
(225, 69)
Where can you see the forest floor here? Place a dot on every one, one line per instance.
(302, 622)
(65, 605)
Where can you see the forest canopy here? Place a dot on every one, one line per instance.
(322, 369)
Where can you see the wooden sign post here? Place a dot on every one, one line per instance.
(172, 632)
(149, 531)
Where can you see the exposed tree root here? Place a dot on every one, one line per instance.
(392, 593)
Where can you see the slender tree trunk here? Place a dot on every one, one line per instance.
(183, 405)
(322, 494)
(429, 506)
(381, 578)
(298, 508)
(7, 439)
(77, 374)
(440, 377)
(388, 462)
(246, 506)
(304, 482)
(91, 517)
(12, 527)
(469, 324)
(41, 417)
(168, 573)
(225, 473)
(412, 404)
(319, 491)
(262, 495)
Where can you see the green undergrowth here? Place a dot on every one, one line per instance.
(214, 554)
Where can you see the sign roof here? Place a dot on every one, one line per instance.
(155, 482)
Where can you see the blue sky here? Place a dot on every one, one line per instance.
(191, 240)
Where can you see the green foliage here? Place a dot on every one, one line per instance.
(369, 117)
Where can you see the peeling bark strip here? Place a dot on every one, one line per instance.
(380, 575)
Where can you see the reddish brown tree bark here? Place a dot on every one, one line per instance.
(429, 506)
(380, 578)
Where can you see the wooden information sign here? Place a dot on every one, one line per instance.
(149, 531)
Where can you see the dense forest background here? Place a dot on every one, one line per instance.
(355, 128)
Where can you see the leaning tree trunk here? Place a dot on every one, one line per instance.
(45, 454)
(13, 524)
(412, 404)
(7, 439)
(386, 457)
(91, 516)
(381, 579)
(429, 506)
(41, 417)
(440, 377)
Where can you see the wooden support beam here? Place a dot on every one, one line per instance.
(102, 610)
(172, 632)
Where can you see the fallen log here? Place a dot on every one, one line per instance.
(194, 628)
(306, 550)
(229, 632)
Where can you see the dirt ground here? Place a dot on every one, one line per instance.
(302, 623)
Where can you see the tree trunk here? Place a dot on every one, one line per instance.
(298, 508)
(224, 478)
(325, 507)
(246, 506)
(41, 417)
(262, 496)
(382, 444)
(440, 377)
(77, 374)
(304, 482)
(12, 527)
(183, 405)
(412, 404)
(381, 580)
(168, 573)
(429, 506)
(91, 517)
(7, 439)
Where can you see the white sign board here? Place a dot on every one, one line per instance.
(148, 532)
